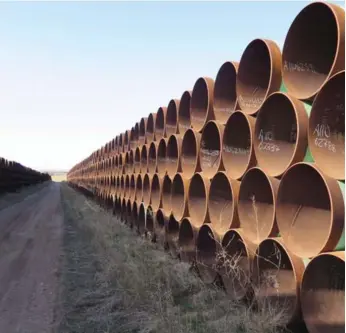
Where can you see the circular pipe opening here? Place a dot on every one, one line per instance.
(327, 127)
(131, 160)
(210, 150)
(155, 192)
(127, 186)
(139, 189)
(275, 280)
(237, 149)
(259, 74)
(225, 95)
(134, 214)
(134, 136)
(167, 195)
(190, 153)
(180, 189)
(222, 202)
(172, 236)
(206, 246)
(280, 138)
(160, 226)
(152, 158)
(160, 123)
(137, 160)
(309, 61)
(144, 159)
(308, 203)
(235, 265)
(201, 107)
(142, 131)
(122, 186)
(123, 210)
(256, 205)
(187, 241)
(172, 117)
(151, 127)
(141, 218)
(323, 293)
(173, 155)
(126, 140)
(146, 189)
(197, 199)
(184, 118)
(132, 186)
(149, 222)
(161, 157)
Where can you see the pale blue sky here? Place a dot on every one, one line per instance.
(75, 74)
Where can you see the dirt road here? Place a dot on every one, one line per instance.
(30, 248)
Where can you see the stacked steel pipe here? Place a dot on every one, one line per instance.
(14, 176)
(244, 176)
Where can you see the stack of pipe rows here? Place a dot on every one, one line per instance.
(14, 176)
(244, 175)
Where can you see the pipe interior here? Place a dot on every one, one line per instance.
(221, 204)
(225, 95)
(155, 191)
(141, 218)
(186, 235)
(166, 194)
(206, 246)
(253, 76)
(323, 294)
(210, 148)
(161, 157)
(197, 199)
(189, 153)
(256, 205)
(172, 155)
(150, 126)
(144, 158)
(146, 189)
(184, 112)
(276, 134)
(152, 158)
(327, 127)
(178, 197)
(159, 124)
(304, 208)
(309, 50)
(160, 219)
(236, 145)
(142, 127)
(171, 118)
(199, 103)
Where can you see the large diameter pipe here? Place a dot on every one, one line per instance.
(180, 190)
(201, 107)
(152, 158)
(156, 192)
(277, 275)
(134, 136)
(198, 199)
(132, 189)
(151, 128)
(307, 61)
(323, 293)
(134, 215)
(327, 127)
(208, 246)
(150, 223)
(172, 236)
(184, 117)
(256, 205)
(190, 160)
(127, 186)
(160, 227)
(139, 188)
(172, 120)
(128, 215)
(211, 148)
(122, 186)
(146, 188)
(235, 264)
(259, 74)
(123, 210)
(161, 157)
(131, 161)
(280, 138)
(144, 159)
(238, 153)
(187, 241)
(142, 137)
(173, 155)
(310, 203)
(225, 94)
(121, 143)
(137, 160)
(141, 218)
(166, 196)
(127, 140)
(223, 202)
(160, 123)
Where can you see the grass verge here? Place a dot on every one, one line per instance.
(115, 281)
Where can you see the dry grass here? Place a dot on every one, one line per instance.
(61, 177)
(115, 281)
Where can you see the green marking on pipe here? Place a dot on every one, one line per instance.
(306, 261)
(341, 244)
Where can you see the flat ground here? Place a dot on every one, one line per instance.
(67, 265)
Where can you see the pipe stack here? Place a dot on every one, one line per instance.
(14, 176)
(244, 175)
